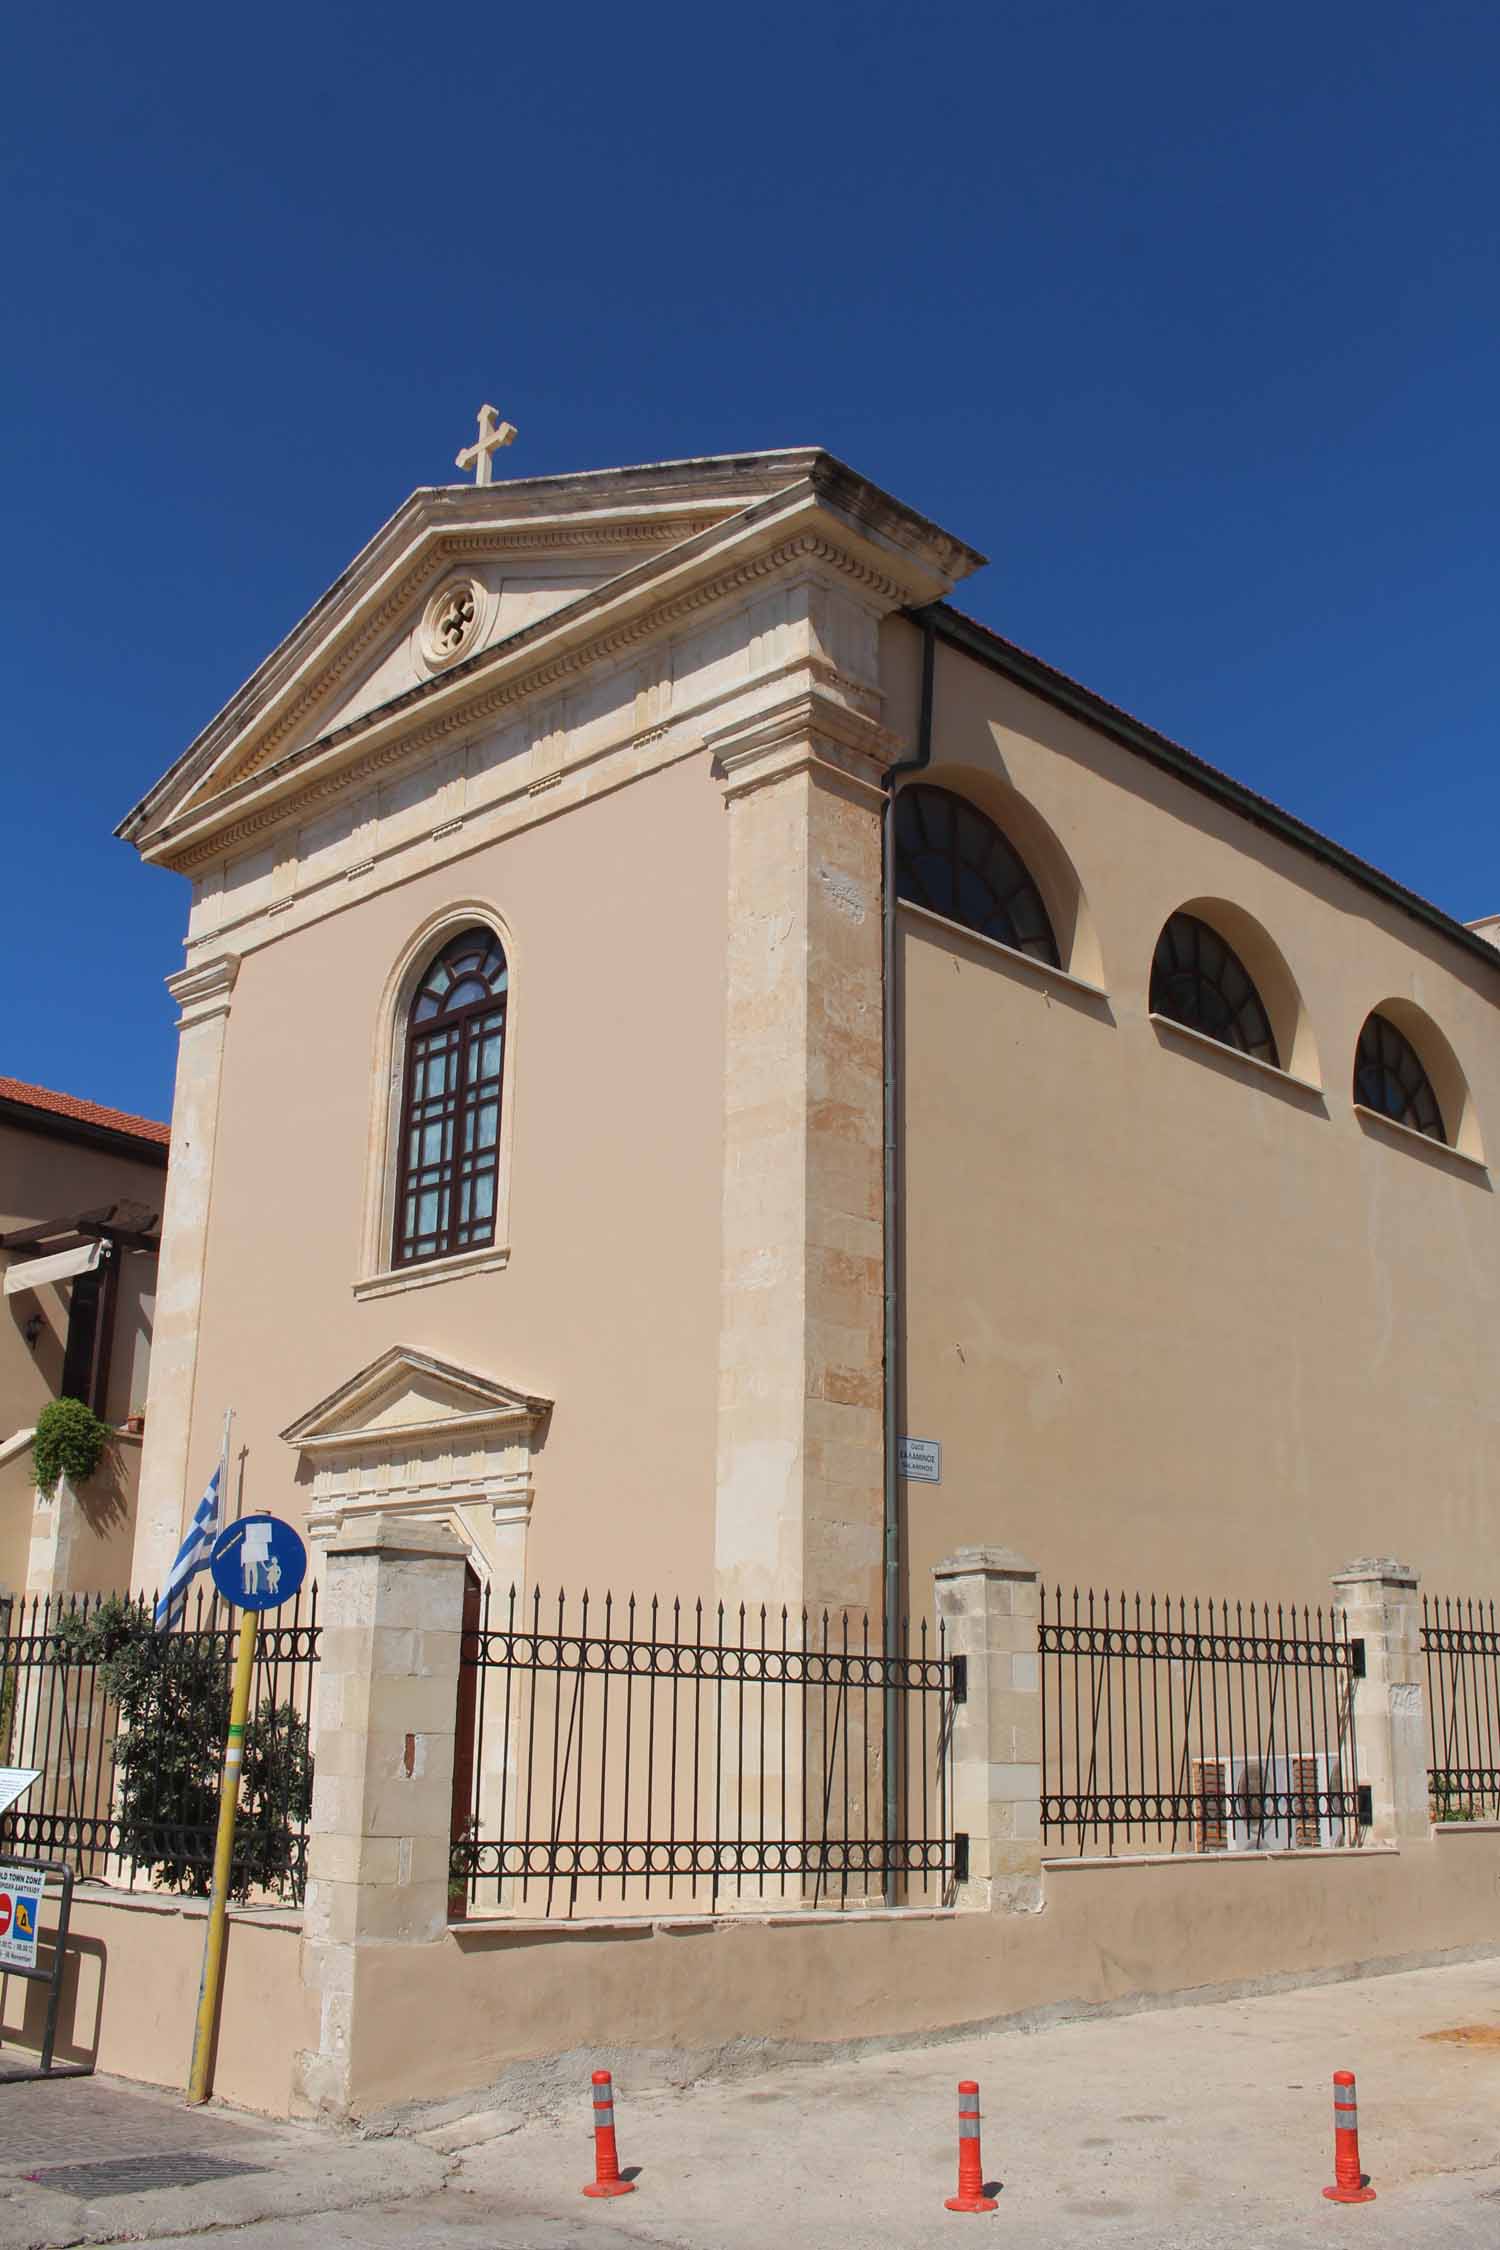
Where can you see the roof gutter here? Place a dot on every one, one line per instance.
(890, 1249)
(1029, 672)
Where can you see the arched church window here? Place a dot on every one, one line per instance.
(1198, 980)
(952, 858)
(449, 1150)
(1388, 1077)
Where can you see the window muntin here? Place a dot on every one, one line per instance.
(951, 858)
(1199, 981)
(1389, 1078)
(450, 1114)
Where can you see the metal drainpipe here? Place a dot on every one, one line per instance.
(889, 1215)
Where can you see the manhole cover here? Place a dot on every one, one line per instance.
(125, 2175)
(1469, 2035)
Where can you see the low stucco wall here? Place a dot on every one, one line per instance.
(130, 1996)
(492, 1994)
(433, 2020)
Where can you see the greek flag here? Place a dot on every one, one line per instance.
(192, 1555)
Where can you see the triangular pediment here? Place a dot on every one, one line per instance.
(405, 1395)
(466, 579)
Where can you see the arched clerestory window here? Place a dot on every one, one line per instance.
(951, 858)
(449, 1144)
(1389, 1077)
(1198, 980)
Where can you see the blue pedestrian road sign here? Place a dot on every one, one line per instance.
(258, 1563)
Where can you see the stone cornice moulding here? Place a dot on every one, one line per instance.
(673, 505)
(401, 1436)
(344, 625)
(203, 990)
(796, 528)
(364, 629)
(807, 732)
(336, 1517)
(475, 703)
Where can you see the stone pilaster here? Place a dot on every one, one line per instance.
(989, 1600)
(203, 993)
(378, 1849)
(800, 1359)
(1379, 1602)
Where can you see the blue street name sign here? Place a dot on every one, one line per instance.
(258, 1563)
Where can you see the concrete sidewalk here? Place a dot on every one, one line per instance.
(1199, 2125)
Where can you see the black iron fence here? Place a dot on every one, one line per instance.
(127, 1725)
(619, 1757)
(1461, 1642)
(1174, 1725)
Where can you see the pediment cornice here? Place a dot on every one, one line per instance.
(250, 772)
(551, 655)
(407, 1397)
(440, 554)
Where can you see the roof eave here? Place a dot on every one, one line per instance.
(1065, 694)
(85, 1132)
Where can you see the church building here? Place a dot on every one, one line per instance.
(710, 1072)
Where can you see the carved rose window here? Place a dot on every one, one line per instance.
(451, 625)
(455, 620)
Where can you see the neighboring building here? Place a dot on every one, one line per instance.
(80, 1212)
(529, 1117)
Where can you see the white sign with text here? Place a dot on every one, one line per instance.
(21, 1890)
(14, 1783)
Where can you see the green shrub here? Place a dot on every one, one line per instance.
(172, 1692)
(68, 1441)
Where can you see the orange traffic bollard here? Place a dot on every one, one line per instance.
(606, 2179)
(971, 2195)
(1350, 2184)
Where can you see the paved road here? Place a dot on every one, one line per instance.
(86, 2160)
(1204, 2128)
(1430, 2218)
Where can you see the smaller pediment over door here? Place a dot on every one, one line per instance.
(410, 1434)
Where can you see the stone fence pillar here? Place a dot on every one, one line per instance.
(989, 1600)
(1378, 1601)
(378, 1848)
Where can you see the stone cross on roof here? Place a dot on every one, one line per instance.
(493, 433)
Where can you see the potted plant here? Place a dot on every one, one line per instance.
(68, 1441)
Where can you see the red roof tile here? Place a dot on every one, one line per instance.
(84, 1113)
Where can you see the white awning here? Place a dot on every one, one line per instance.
(61, 1266)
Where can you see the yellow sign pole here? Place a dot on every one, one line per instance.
(212, 1985)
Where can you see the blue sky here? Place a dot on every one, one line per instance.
(1187, 315)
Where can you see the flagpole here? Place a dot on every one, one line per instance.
(224, 1464)
(207, 1522)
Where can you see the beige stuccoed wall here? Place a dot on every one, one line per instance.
(1108, 1934)
(610, 1302)
(1178, 1323)
(130, 1996)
